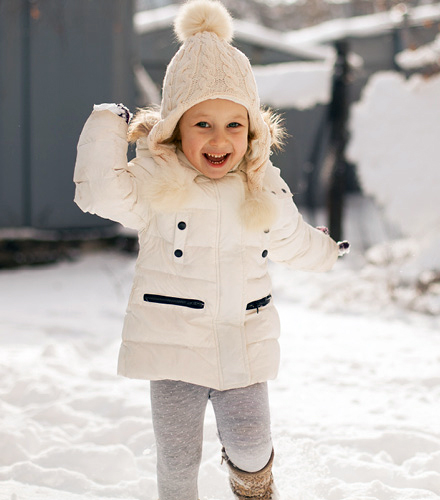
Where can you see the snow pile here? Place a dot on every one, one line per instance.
(395, 132)
(383, 284)
(297, 85)
(354, 410)
(425, 56)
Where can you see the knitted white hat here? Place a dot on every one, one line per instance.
(208, 67)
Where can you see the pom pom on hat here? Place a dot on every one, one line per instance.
(198, 16)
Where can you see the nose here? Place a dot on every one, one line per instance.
(218, 137)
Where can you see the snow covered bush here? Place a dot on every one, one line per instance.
(395, 143)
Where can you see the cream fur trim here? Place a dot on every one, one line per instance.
(259, 211)
(171, 189)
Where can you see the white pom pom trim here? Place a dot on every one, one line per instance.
(197, 16)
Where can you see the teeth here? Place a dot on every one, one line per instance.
(216, 159)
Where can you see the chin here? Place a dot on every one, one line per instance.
(216, 175)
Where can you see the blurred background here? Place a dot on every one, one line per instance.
(356, 405)
(312, 61)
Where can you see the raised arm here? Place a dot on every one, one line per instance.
(106, 184)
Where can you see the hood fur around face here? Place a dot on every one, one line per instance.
(172, 189)
(145, 119)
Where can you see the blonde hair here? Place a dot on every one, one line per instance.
(145, 119)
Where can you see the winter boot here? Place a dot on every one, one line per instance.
(251, 485)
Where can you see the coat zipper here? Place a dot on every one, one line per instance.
(256, 304)
(176, 301)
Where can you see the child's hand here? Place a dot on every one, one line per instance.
(117, 109)
(324, 230)
(344, 246)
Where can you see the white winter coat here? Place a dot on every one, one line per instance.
(192, 314)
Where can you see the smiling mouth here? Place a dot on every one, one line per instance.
(217, 159)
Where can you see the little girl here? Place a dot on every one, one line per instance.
(210, 209)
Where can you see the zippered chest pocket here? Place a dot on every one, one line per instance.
(176, 301)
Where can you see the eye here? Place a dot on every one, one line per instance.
(234, 125)
(202, 124)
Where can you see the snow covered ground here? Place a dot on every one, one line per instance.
(355, 408)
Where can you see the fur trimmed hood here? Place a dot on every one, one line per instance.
(146, 118)
(173, 184)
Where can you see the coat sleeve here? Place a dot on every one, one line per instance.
(295, 243)
(106, 185)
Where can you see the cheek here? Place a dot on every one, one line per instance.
(242, 146)
(189, 145)
(183, 144)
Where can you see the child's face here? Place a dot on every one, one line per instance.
(214, 136)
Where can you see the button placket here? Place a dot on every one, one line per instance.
(282, 193)
(265, 243)
(180, 235)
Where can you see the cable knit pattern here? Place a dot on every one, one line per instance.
(207, 67)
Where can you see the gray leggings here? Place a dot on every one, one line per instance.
(178, 410)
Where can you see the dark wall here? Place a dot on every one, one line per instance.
(57, 58)
(12, 186)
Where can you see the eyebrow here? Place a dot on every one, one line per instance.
(200, 116)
